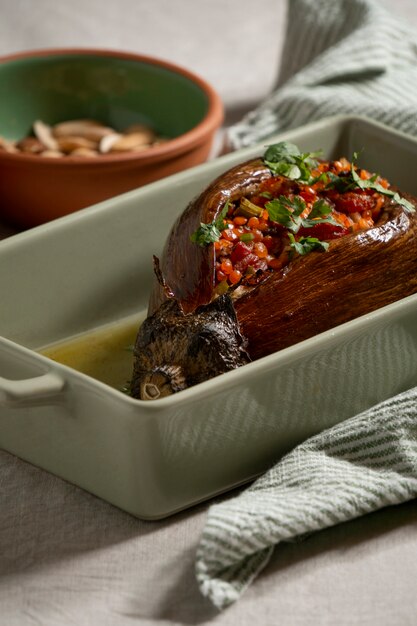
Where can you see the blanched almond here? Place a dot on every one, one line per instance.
(7, 146)
(84, 152)
(89, 129)
(44, 133)
(107, 142)
(160, 140)
(68, 127)
(139, 148)
(140, 128)
(31, 145)
(52, 154)
(70, 143)
(95, 133)
(131, 141)
(82, 137)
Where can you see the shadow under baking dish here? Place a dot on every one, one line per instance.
(90, 270)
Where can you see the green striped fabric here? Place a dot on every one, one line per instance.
(361, 465)
(339, 57)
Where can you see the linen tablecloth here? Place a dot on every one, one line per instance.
(67, 557)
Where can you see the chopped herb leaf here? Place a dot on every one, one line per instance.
(322, 178)
(408, 206)
(371, 184)
(209, 233)
(320, 214)
(205, 234)
(283, 207)
(320, 208)
(305, 245)
(219, 221)
(285, 159)
(287, 212)
(340, 183)
(281, 151)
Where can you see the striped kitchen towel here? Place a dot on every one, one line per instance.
(363, 464)
(339, 57)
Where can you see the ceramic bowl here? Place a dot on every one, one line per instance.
(116, 88)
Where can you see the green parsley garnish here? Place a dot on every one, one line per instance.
(285, 159)
(287, 212)
(320, 208)
(322, 178)
(209, 233)
(305, 245)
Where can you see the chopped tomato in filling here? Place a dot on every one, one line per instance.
(262, 231)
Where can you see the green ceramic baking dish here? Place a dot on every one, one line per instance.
(152, 459)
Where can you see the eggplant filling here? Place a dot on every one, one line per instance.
(286, 217)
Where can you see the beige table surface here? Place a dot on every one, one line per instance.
(68, 558)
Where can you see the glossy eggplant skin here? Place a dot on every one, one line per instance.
(187, 269)
(359, 273)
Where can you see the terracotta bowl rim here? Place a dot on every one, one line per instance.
(173, 147)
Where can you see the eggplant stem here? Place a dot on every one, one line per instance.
(150, 391)
(161, 382)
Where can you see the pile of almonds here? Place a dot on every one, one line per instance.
(82, 138)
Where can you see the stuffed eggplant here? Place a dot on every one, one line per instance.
(274, 251)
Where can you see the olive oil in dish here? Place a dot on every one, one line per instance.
(104, 353)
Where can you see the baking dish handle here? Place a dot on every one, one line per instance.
(30, 390)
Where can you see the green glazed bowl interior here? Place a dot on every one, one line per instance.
(116, 90)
